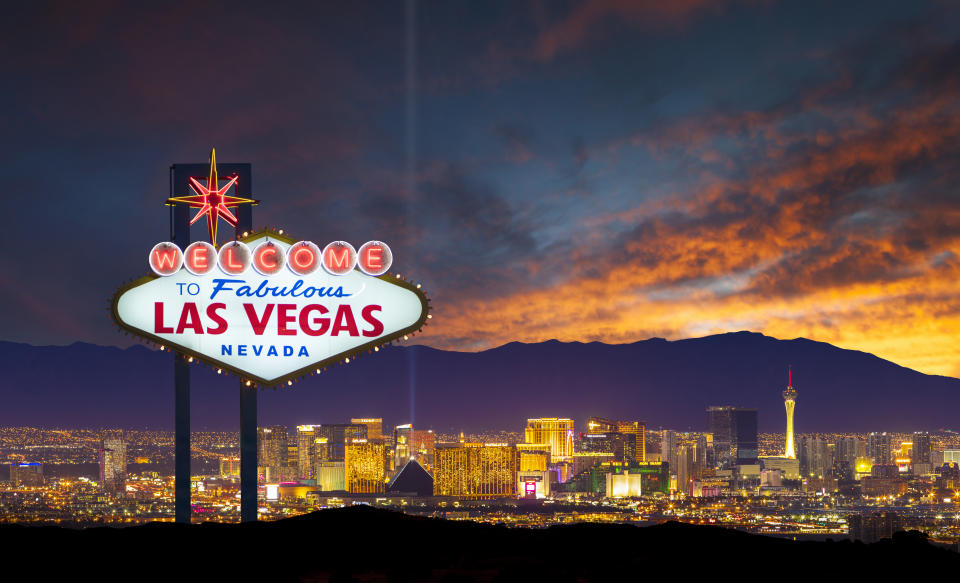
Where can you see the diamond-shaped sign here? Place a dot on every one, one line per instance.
(270, 328)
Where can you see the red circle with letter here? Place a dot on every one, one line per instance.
(234, 258)
(268, 258)
(339, 258)
(303, 258)
(165, 258)
(374, 258)
(200, 257)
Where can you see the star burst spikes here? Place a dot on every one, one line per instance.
(212, 200)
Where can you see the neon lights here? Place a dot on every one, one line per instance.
(374, 258)
(200, 257)
(165, 258)
(339, 258)
(303, 258)
(268, 258)
(234, 258)
(212, 200)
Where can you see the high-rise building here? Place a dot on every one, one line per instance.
(879, 447)
(306, 451)
(668, 447)
(921, 448)
(622, 446)
(272, 446)
(734, 432)
(374, 426)
(475, 470)
(364, 467)
(229, 466)
(815, 458)
(338, 435)
(556, 432)
(789, 402)
(113, 464)
(27, 474)
(638, 429)
(533, 475)
(402, 444)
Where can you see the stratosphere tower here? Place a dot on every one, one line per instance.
(790, 401)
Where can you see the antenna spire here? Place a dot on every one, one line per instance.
(789, 375)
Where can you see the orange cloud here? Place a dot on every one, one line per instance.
(848, 238)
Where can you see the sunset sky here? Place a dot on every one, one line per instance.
(601, 170)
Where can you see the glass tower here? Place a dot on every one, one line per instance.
(734, 432)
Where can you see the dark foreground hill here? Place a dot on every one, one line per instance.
(365, 544)
(668, 384)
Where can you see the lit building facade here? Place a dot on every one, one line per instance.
(364, 467)
(622, 446)
(668, 447)
(113, 464)
(475, 470)
(272, 447)
(402, 444)
(337, 435)
(636, 429)
(374, 426)
(306, 451)
(229, 466)
(556, 432)
(921, 458)
(815, 458)
(533, 477)
(26, 474)
(330, 476)
(789, 468)
(879, 447)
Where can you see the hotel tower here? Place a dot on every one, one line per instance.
(790, 401)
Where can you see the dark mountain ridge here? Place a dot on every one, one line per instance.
(666, 383)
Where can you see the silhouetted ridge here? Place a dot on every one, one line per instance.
(341, 544)
(666, 383)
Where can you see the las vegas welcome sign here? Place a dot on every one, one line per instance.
(269, 308)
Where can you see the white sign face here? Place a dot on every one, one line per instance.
(270, 328)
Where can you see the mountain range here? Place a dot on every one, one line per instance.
(666, 383)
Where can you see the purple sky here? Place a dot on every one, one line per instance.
(595, 170)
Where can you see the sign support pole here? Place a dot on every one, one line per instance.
(180, 234)
(248, 414)
(248, 454)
